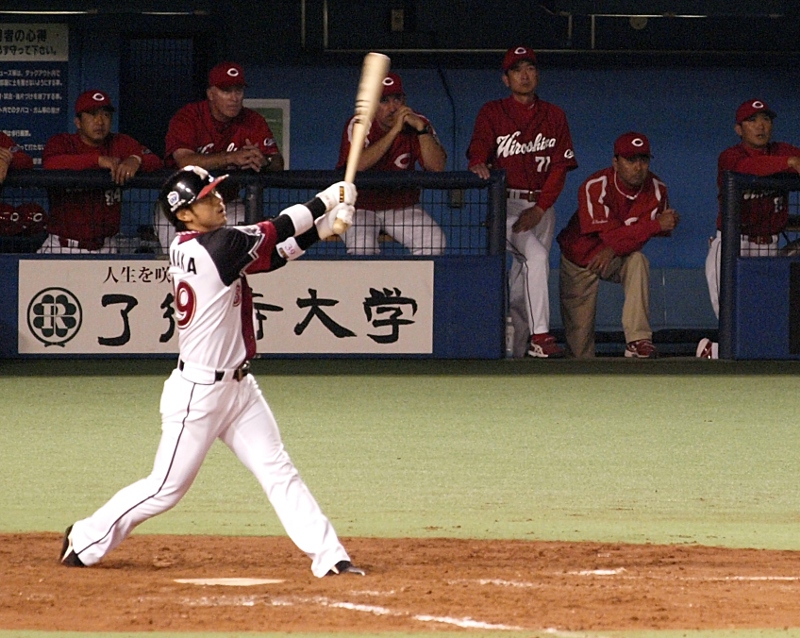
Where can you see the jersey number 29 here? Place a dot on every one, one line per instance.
(185, 304)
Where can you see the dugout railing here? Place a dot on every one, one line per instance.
(470, 211)
(331, 303)
(759, 296)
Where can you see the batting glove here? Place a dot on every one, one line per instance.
(338, 193)
(324, 224)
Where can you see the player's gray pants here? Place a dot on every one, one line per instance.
(193, 417)
(411, 226)
(746, 249)
(528, 297)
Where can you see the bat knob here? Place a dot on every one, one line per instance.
(340, 226)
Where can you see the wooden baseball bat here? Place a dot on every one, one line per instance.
(370, 89)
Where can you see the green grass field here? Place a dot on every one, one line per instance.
(670, 451)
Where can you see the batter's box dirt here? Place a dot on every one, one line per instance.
(412, 585)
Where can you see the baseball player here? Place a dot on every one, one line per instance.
(619, 209)
(211, 394)
(763, 214)
(530, 139)
(12, 157)
(398, 139)
(220, 133)
(85, 221)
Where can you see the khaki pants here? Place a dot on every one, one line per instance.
(578, 291)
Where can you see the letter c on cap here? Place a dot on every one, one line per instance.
(637, 142)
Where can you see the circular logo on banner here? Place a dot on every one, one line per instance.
(54, 316)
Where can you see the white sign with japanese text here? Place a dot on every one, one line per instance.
(318, 307)
(28, 42)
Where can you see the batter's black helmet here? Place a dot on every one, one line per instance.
(184, 188)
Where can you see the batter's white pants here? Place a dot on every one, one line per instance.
(746, 249)
(410, 226)
(528, 297)
(193, 417)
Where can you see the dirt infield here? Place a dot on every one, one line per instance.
(412, 585)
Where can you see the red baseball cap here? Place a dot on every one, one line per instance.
(392, 85)
(750, 108)
(93, 100)
(632, 144)
(226, 75)
(518, 54)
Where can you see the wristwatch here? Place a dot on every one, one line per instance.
(426, 131)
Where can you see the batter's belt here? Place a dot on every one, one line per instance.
(236, 374)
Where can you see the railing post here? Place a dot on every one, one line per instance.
(253, 201)
(731, 244)
(496, 219)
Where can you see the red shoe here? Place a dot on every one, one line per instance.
(544, 346)
(641, 349)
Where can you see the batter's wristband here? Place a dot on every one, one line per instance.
(301, 218)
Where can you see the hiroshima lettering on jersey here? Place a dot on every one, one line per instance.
(507, 144)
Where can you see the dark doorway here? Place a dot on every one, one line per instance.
(157, 77)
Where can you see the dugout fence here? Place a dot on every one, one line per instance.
(331, 303)
(759, 296)
(470, 211)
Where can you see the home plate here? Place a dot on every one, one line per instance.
(230, 582)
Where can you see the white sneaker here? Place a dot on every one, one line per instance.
(706, 349)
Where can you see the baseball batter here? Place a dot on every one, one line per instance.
(398, 140)
(211, 395)
(530, 139)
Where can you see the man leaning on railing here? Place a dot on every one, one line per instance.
(86, 221)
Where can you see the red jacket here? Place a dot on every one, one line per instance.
(531, 142)
(19, 159)
(607, 217)
(89, 215)
(193, 127)
(403, 155)
(766, 212)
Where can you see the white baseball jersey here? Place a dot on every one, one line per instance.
(213, 302)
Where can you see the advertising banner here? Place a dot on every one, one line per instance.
(322, 307)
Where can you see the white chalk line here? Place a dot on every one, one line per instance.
(466, 623)
(623, 573)
(377, 610)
